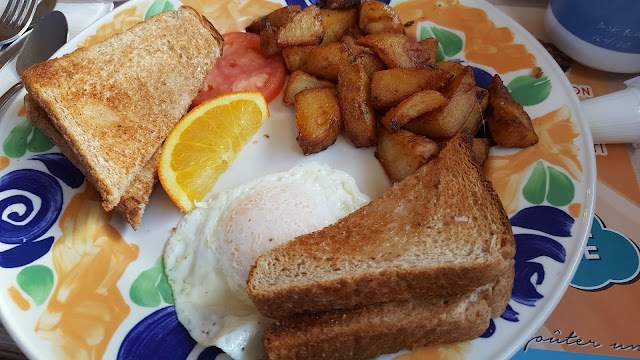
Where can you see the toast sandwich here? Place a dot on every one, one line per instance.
(387, 328)
(135, 197)
(114, 103)
(440, 232)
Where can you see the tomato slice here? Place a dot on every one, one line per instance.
(242, 67)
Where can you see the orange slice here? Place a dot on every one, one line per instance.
(205, 142)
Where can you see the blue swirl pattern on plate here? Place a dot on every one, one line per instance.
(161, 336)
(529, 247)
(30, 202)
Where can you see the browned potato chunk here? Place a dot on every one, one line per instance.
(445, 121)
(508, 123)
(304, 28)
(377, 17)
(474, 120)
(359, 119)
(450, 66)
(483, 98)
(430, 45)
(339, 4)
(317, 119)
(295, 56)
(390, 87)
(397, 50)
(412, 107)
(363, 55)
(476, 117)
(401, 153)
(336, 23)
(324, 61)
(268, 44)
(299, 81)
(480, 150)
(277, 19)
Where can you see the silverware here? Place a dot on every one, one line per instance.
(43, 9)
(16, 19)
(45, 39)
(12, 50)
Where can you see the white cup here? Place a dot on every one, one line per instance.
(602, 34)
(615, 117)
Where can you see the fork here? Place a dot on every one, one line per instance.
(15, 19)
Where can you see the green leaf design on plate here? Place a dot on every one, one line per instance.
(425, 33)
(151, 287)
(561, 189)
(528, 90)
(37, 282)
(164, 289)
(535, 189)
(39, 142)
(449, 41)
(15, 145)
(157, 7)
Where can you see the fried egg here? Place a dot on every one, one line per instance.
(208, 257)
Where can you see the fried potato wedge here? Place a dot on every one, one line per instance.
(268, 44)
(474, 120)
(412, 107)
(277, 19)
(508, 123)
(481, 150)
(295, 56)
(483, 98)
(303, 28)
(337, 4)
(317, 119)
(363, 55)
(390, 87)
(354, 93)
(299, 81)
(378, 17)
(401, 153)
(324, 61)
(445, 121)
(398, 51)
(451, 66)
(337, 23)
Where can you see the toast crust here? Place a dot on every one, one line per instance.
(115, 102)
(390, 327)
(440, 232)
(135, 197)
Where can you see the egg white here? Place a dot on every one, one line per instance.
(208, 257)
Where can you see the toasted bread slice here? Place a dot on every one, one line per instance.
(116, 101)
(441, 231)
(387, 328)
(135, 197)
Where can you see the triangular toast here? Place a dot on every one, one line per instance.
(115, 102)
(440, 232)
(135, 197)
(387, 328)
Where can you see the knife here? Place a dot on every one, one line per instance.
(12, 50)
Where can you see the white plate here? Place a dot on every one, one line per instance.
(86, 297)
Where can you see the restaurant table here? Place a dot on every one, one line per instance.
(592, 321)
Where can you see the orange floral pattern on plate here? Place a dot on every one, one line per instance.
(86, 306)
(485, 43)
(121, 22)
(556, 134)
(232, 15)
